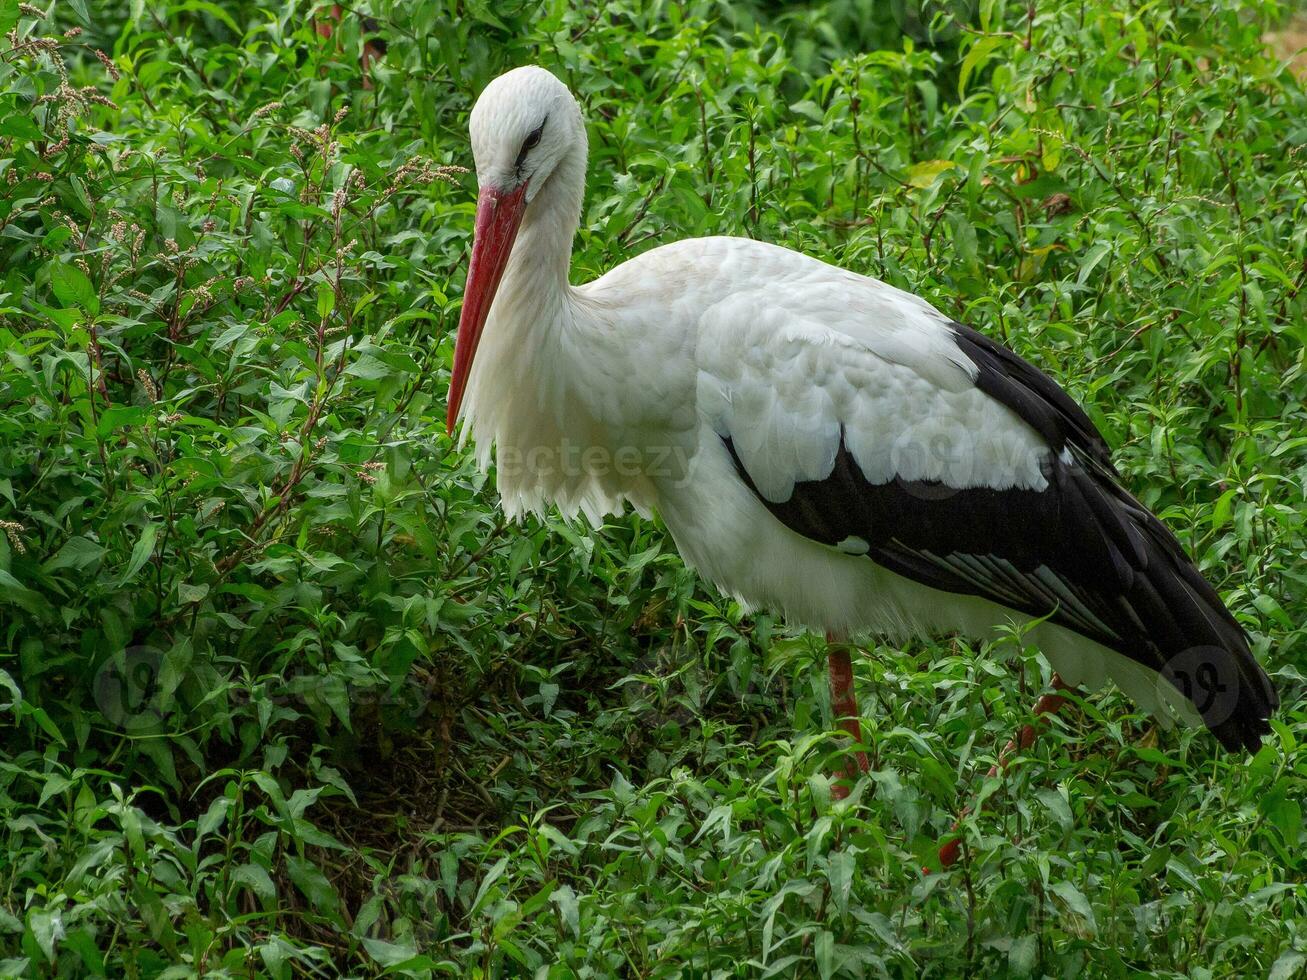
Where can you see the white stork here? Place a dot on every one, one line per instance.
(818, 442)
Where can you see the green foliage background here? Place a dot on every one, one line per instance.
(282, 695)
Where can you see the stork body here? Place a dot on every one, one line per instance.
(817, 442)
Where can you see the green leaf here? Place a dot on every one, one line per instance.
(78, 552)
(13, 692)
(840, 871)
(487, 883)
(1058, 806)
(8, 15)
(369, 368)
(212, 9)
(47, 928)
(257, 880)
(14, 591)
(72, 287)
(1269, 607)
(1223, 508)
(54, 784)
(548, 697)
(980, 52)
(1287, 965)
(924, 174)
(310, 880)
(823, 949)
(188, 593)
(174, 668)
(1095, 255)
(141, 552)
(568, 908)
(326, 299)
(20, 127)
(388, 954)
(1076, 902)
(1022, 955)
(213, 817)
(120, 416)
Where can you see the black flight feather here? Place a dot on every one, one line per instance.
(1082, 551)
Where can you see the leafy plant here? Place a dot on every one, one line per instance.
(284, 694)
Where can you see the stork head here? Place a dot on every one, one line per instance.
(523, 126)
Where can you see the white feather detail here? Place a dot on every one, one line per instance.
(800, 354)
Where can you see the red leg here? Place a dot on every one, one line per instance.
(1025, 737)
(844, 708)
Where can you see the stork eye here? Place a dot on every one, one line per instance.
(531, 141)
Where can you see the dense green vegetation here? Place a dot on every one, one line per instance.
(282, 694)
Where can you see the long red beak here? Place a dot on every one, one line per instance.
(499, 214)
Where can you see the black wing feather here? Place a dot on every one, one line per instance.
(1122, 579)
(1033, 395)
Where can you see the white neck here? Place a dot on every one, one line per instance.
(542, 254)
(527, 394)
